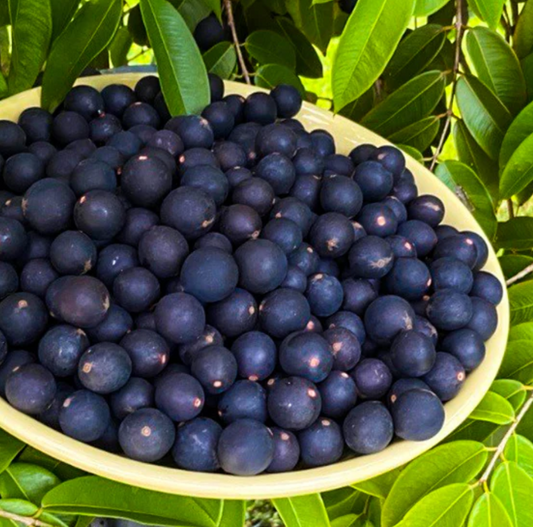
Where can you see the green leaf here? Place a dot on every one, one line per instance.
(62, 13)
(484, 114)
(446, 506)
(60, 469)
(520, 450)
(420, 135)
(221, 59)
(521, 128)
(488, 10)
(94, 496)
(270, 75)
(488, 511)
(464, 182)
(20, 507)
(497, 66)
(136, 27)
(31, 22)
(516, 234)
(344, 501)
(58, 521)
(518, 172)
(233, 513)
(455, 462)
(4, 14)
(181, 68)
(407, 105)
(527, 68)
(315, 21)
(518, 361)
(345, 521)
(9, 449)
(120, 47)
(367, 43)
(514, 488)
(357, 109)
(495, 409)
(412, 151)
(511, 390)
(307, 62)
(523, 36)
(268, 47)
(90, 32)
(415, 52)
(215, 6)
(193, 11)
(470, 153)
(512, 264)
(379, 486)
(27, 482)
(302, 511)
(521, 331)
(428, 7)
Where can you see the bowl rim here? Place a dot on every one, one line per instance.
(300, 482)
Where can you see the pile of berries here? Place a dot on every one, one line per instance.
(226, 291)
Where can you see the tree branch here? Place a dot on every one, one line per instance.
(501, 447)
(518, 276)
(24, 519)
(457, 60)
(231, 23)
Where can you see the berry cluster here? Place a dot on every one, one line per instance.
(227, 289)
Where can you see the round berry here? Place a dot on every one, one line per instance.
(487, 286)
(180, 396)
(136, 289)
(386, 316)
(23, 318)
(409, 278)
(446, 377)
(448, 309)
(135, 394)
(256, 355)
(286, 451)
(244, 400)
(370, 257)
(324, 294)
(30, 388)
(235, 314)
(215, 367)
(341, 194)
(148, 351)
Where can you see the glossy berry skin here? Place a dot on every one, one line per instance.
(209, 32)
(50, 416)
(23, 318)
(295, 279)
(245, 448)
(231, 157)
(220, 117)
(262, 266)
(68, 127)
(461, 247)
(13, 238)
(341, 194)
(339, 394)
(403, 385)
(295, 210)
(424, 326)
(283, 311)
(345, 348)
(13, 361)
(286, 451)
(99, 214)
(374, 180)
(466, 345)
(484, 318)
(306, 188)
(370, 257)
(397, 208)
(209, 274)
(487, 286)
(401, 246)
(390, 158)
(138, 222)
(135, 394)
(362, 153)
(449, 310)
(244, 400)
(60, 349)
(216, 87)
(235, 314)
(349, 321)
(305, 258)
(307, 355)
(418, 415)
(322, 443)
(180, 396)
(368, 428)
(324, 294)
(332, 235)
(240, 223)
(179, 317)
(73, 252)
(450, 273)
(278, 170)
(420, 234)
(113, 260)
(21, 171)
(256, 355)
(214, 239)
(426, 208)
(208, 178)
(216, 368)
(209, 336)
(136, 289)
(372, 378)
(378, 220)
(189, 210)
(117, 97)
(482, 248)
(12, 138)
(104, 368)
(294, 403)
(446, 377)
(358, 294)
(260, 108)
(148, 351)
(36, 124)
(126, 142)
(409, 278)
(146, 435)
(85, 100)
(92, 174)
(9, 280)
(288, 100)
(283, 232)
(84, 416)
(196, 445)
(386, 316)
(30, 388)
(307, 162)
(413, 354)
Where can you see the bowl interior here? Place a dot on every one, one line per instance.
(172, 480)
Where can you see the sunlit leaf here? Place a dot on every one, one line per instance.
(511, 390)
(488, 10)
(488, 511)
(221, 59)
(520, 450)
(523, 36)
(494, 409)
(518, 172)
(516, 233)
(27, 482)
(302, 511)
(518, 361)
(315, 21)
(428, 7)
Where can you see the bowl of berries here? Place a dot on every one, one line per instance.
(265, 300)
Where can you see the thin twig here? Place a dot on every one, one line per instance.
(457, 60)
(518, 276)
(24, 519)
(510, 208)
(231, 23)
(501, 447)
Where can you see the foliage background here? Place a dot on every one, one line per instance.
(450, 82)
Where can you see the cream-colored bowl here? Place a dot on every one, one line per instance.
(172, 480)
